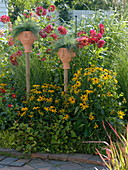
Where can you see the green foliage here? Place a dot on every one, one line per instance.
(7, 139)
(27, 25)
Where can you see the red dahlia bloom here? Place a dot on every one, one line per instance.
(48, 29)
(13, 95)
(83, 41)
(42, 33)
(11, 42)
(54, 36)
(100, 43)
(62, 30)
(19, 53)
(10, 105)
(5, 18)
(2, 91)
(101, 26)
(52, 8)
(41, 11)
(81, 33)
(92, 33)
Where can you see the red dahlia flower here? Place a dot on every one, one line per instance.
(100, 43)
(2, 91)
(54, 36)
(52, 8)
(4, 19)
(92, 33)
(13, 95)
(42, 33)
(48, 29)
(101, 26)
(11, 42)
(10, 105)
(81, 33)
(83, 41)
(41, 11)
(62, 30)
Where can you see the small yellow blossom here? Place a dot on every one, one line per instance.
(23, 114)
(95, 80)
(84, 106)
(51, 91)
(25, 102)
(49, 100)
(46, 108)
(31, 98)
(91, 117)
(3, 84)
(37, 92)
(84, 97)
(66, 117)
(24, 109)
(36, 86)
(56, 101)
(109, 94)
(71, 100)
(89, 91)
(78, 84)
(35, 108)
(120, 114)
(95, 126)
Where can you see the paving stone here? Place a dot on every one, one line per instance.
(20, 162)
(56, 162)
(79, 157)
(8, 161)
(72, 166)
(40, 155)
(2, 157)
(50, 168)
(26, 167)
(40, 164)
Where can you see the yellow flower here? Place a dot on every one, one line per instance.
(95, 80)
(66, 117)
(36, 86)
(84, 106)
(41, 113)
(91, 117)
(87, 73)
(120, 114)
(24, 109)
(84, 97)
(41, 98)
(49, 100)
(35, 108)
(37, 92)
(78, 84)
(51, 91)
(71, 100)
(76, 76)
(95, 126)
(77, 91)
(23, 114)
(46, 108)
(56, 101)
(2, 84)
(109, 94)
(89, 91)
(24, 102)
(31, 98)
(30, 115)
(62, 110)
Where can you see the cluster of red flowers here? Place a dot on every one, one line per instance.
(4, 19)
(12, 95)
(41, 11)
(94, 38)
(13, 57)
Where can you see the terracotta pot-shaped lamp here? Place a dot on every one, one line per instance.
(27, 38)
(66, 56)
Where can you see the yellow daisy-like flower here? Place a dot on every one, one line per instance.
(71, 100)
(87, 73)
(89, 91)
(35, 108)
(24, 109)
(84, 97)
(56, 101)
(25, 102)
(95, 80)
(46, 108)
(37, 92)
(41, 98)
(3, 84)
(66, 117)
(78, 84)
(31, 98)
(84, 106)
(95, 126)
(51, 91)
(62, 110)
(41, 113)
(91, 117)
(49, 100)
(23, 114)
(36, 86)
(76, 76)
(30, 115)
(120, 114)
(109, 94)
(77, 91)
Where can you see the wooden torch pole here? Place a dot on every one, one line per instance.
(65, 79)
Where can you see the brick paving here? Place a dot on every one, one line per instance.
(42, 161)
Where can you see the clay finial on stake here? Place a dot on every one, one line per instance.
(27, 38)
(66, 56)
